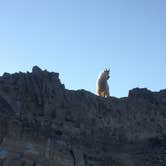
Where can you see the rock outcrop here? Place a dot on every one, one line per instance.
(44, 124)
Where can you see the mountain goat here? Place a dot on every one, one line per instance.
(102, 87)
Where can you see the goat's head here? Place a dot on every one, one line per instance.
(106, 73)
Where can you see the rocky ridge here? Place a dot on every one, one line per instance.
(44, 124)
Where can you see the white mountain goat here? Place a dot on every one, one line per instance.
(102, 87)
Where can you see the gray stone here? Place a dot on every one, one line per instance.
(42, 123)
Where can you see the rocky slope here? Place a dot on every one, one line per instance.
(44, 124)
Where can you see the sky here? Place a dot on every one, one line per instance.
(80, 38)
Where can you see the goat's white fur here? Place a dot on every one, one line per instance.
(102, 87)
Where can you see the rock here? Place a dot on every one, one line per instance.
(36, 69)
(42, 123)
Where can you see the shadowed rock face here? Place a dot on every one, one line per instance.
(43, 124)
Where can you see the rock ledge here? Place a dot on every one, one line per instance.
(44, 124)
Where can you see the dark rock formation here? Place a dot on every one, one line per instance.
(43, 124)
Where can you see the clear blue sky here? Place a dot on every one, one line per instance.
(79, 38)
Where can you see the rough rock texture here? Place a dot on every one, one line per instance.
(43, 124)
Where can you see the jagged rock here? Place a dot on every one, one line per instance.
(36, 69)
(44, 124)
